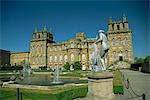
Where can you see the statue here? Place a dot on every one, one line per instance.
(98, 55)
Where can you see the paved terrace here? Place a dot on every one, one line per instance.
(139, 83)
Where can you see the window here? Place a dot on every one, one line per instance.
(72, 45)
(123, 25)
(55, 48)
(90, 56)
(119, 41)
(118, 28)
(72, 57)
(125, 41)
(83, 57)
(113, 26)
(113, 42)
(114, 55)
(78, 45)
(55, 59)
(50, 49)
(65, 58)
(60, 58)
(120, 52)
(50, 58)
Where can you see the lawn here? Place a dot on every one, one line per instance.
(7, 71)
(78, 73)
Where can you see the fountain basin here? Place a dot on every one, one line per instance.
(47, 80)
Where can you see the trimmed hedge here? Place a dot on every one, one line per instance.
(67, 93)
(72, 93)
(117, 83)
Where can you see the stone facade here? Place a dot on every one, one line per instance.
(120, 41)
(75, 49)
(45, 52)
(16, 58)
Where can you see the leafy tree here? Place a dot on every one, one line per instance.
(147, 59)
(142, 60)
(67, 66)
(77, 65)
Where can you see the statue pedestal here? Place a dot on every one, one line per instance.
(100, 86)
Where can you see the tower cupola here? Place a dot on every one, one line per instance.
(124, 18)
(110, 20)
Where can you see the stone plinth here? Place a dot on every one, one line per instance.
(100, 86)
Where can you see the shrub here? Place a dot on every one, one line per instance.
(67, 93)
(77, 65)
(67, 66)
(73, 93)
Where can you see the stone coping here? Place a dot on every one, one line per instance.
(101, 75)
(12, 85)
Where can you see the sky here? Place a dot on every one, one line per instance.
(66, 18)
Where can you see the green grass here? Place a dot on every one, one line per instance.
(76, 74)
(4, 77)
(7, 71)
(41, 70)
(117, 83)
(66, 93)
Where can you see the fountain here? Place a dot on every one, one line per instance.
(26, 69)
(56, 79)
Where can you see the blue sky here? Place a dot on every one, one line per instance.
(65, 18)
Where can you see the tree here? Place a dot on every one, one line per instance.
(77, 65)
(67, 66)
(147, 59)
(138, 60)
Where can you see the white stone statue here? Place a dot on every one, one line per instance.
(98, 55)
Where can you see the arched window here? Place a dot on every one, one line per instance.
(55, 48)
(72, 57)
(78, 45)
(55, 58)
(60, 58)
(72, 45)
(50, 58)
(50, 49)
(65, 58)
(113, 42)
(119, 41)
(114, 55)
(83, 57)
(125, 41)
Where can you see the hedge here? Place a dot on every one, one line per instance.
(67, 93)
(117, 83)
(73, 93)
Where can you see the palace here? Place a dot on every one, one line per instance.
(45, 52)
